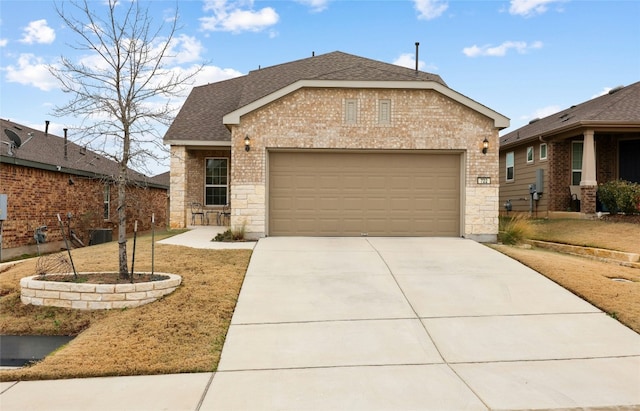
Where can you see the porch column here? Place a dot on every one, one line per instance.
(588, 183)
(178, 188)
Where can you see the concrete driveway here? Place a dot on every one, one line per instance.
(415, 323)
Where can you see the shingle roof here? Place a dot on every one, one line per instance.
(620, 107)
(47, 151)
(200, 118)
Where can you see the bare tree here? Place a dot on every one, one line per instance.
(121, 88)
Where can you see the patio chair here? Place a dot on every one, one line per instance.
(224, 216)
(197, 211)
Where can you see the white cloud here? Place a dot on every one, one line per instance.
(184, 49)
(315, 5)
(541, 113)
(31, 70)
(408, 60)
(3, 42)
(528, 8)
(38, 32)
(604, 91)
(212, 74)
(521, 47)
(237, 16)
(430, 9)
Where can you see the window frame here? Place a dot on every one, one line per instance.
(574, 171)
(106, 202)
(207, 186)
(530, 155)
(545, 151)
(513, 166)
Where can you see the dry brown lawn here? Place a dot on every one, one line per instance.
(182, 332)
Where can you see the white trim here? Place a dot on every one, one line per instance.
(499, 120)
(198, 143)
(533, 155)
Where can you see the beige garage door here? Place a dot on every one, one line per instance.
(353, 194)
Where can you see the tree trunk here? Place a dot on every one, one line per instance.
(122, 223)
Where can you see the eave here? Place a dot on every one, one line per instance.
(500, 121)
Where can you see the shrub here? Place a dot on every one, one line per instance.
(232, 235)
(620, 196)
(512, 230)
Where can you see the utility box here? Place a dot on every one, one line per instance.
(3, 207)
(100, 236)
(540, 180)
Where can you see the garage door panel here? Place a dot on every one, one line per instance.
(340, 193)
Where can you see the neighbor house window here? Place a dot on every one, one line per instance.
(351, 111)
(529, 155)
(510, 170)
(576, 162)
(106, 196)
(216, 181)
(384, 111)
(543, 151)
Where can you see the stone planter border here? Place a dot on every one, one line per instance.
(88, 296)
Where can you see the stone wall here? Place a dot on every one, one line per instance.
(314, 119)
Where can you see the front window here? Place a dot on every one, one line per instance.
(529, 154)
(106, 199)
(510, 170)
(543, 151)
(576, 162)
(216, 184)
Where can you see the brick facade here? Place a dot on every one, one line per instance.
(36, 196)
(313, 118)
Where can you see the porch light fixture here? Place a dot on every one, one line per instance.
(247, 143)
(485, 146)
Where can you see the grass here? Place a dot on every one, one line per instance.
(513, 230)
(182, 332)
(619, 236)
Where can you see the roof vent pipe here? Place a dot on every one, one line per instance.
(65, 142)
(417, 46)
(46, 127)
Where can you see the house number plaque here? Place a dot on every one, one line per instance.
(484, 180)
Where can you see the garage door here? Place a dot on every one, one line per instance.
(353, 194)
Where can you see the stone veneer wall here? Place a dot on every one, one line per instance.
(314, 119)
(85, 296)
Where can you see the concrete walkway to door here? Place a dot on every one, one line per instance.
(415, 324)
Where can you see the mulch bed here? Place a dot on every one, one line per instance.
(101, 278)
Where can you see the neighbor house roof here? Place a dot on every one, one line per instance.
(43, 150)
(617, 110)
(209, 109)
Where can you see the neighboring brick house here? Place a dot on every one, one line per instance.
(48, 175)
(338, 145)
(570, 152)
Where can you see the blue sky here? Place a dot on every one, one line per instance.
(522, 58)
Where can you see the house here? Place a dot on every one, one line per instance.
(43, 175)
(567, 154)
(338, 145)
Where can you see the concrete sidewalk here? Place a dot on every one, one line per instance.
(386, 324)
(201, 236)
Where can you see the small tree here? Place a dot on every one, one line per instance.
(116, 87)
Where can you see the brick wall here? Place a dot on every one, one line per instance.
(313, 119)
(35, 197)
(559, 153)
